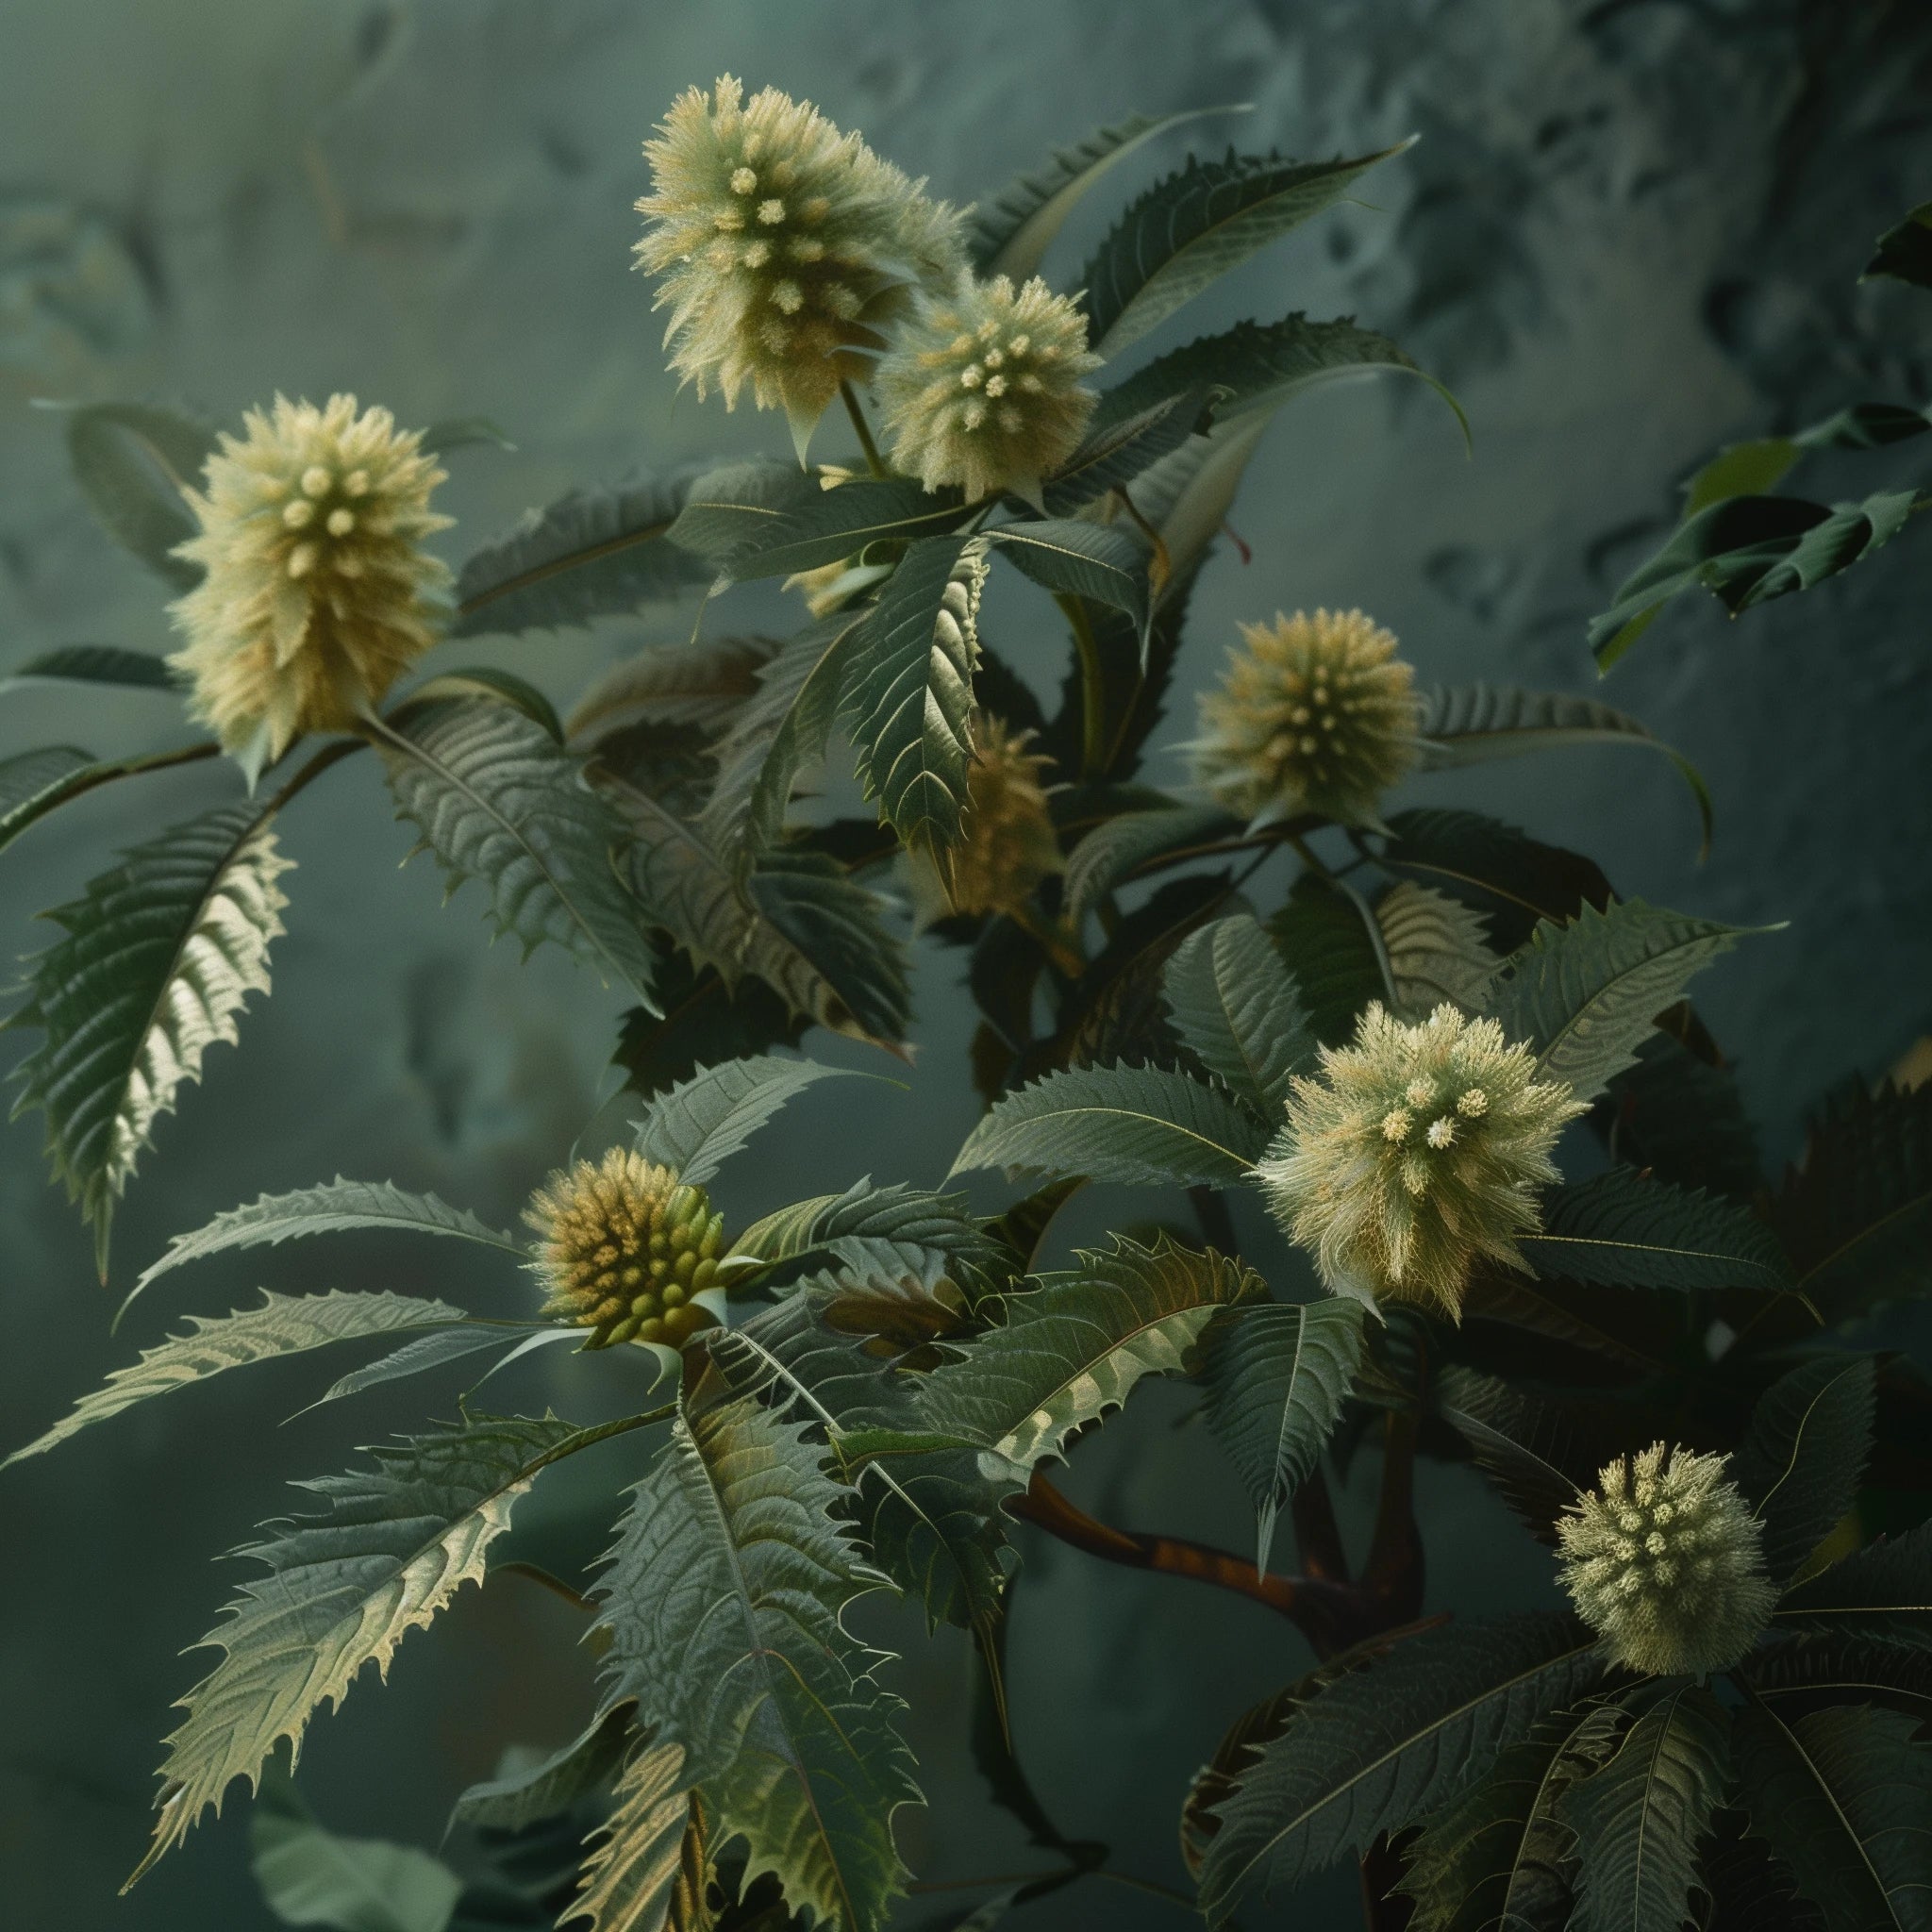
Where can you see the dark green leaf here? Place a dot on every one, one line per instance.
(1905, 252)
(464, 432)
(1331, 945)
(134, 461)
(1751, 469)
(1236, 1005)
(1511, 879)
(509, 1803)
(1438, 950)
(705, 1021)
(923, 1227)
(839, 925)
(701, 687)
(1683, 1117)
(32, 783)
(1112, 852)
(1118, 449)
(1622, 1229)
(770, 520)
(1883, 1591)
(94, 664)
(310, 1876)
(1802, 1462)
(1830, 1668)
(499, 687)
(1099, 562)
(700, 1125)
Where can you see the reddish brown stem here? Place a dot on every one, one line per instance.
(1318, 1535)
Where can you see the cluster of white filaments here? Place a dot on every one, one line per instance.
(1417, 1151)
(1665, 1562)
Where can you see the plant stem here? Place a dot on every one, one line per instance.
(1092, 690)
(1317, 1535)
(1058, 945)
(874, 461)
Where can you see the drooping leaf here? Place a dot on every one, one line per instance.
(1277, 1376)
(1012, 230)
(1140, 1126)
(1841, 1796)
(32, 783)
(133, 462)
(593, 552)
(283, 1324)
(310, 1876)
(159, 959)
(1383, 1745)
(1236, 1005)
(1470, 724)
(724, 1601)
(1436, 948)
(1883, 1591)
(1746, 550)
(1905, 252)
(1071, 1348)
(1110, 854)
(1099, 562)
(1330, 943)
(1194, 226)
(763, 532)
(639, 1874)
(1803, 1457)
(94, 664)
(1640, 1820)
(702, 1121)
(342, 1588)
(521, 1798)
(496, 799)
(1622, 1229)
(701, 686)
(1751, 469)
(1584, 995)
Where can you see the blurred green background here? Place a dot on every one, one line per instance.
(1630, 232)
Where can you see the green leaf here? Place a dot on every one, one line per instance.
(94, 664)
(1109, 855)
(1116, 451)
(1905, 252)
(1333, 947)
(1082, 559)
(1678, 1112)
(543, 1789)
(1140, 1126)
(592, 552)
(32, 783)
(922, 1224)
(1234, 1004)
(1640, 1820)
(702, 686)
(1622, 1229)
(1855, 1213)
(343, 1587)
(1438, 950)
(1803, 1457)
(1071, 1348)
(310, 1876)
(758, 520)
(706, 1019)
(1012, 230)
(725, 1603)
(283, 1324)
(1585, 995)
(1883, 1591)
(133, 462)
(497, 799)
(1840, 1797)
(1495, 870)
(646, 1872)
(1382, 1746)
(1751, 469)
(486, 681)
(1746, 550)
(464, 432)
(1828, 1668)
(1276, 1377)
(702, 1123)
(909, 695)
(1471, 723)
(1194, 226)
(442, 1346)
(157, 961)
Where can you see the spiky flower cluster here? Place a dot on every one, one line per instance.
(1665, 1562)
(981, 386)
(1317, 713)
(1417, 1150)
(623, 1249)
(318, 592)
(783, 245)
(1006, 844)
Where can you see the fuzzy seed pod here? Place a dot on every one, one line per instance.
(1418, 1150)
(1316, 714)
(981, 386)
(1006, 842)
(319, 593)
(1665, 1562)
(623, 1248)
(783, 246)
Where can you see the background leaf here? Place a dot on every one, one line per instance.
(310, 1876)
(701, 686)
(94, 664)
(1883, 1591)
(32, 783)
(133, 462)
(1094, 560)
(784, 522)
(1803, 1457)
(1234, 1004)
(1511, 879)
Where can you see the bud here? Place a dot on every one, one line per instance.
(623, 1248)
(1418, 1150)
(981, 386)
(1007, 842)
(782, 245)
(1317, 714)
(318, 594)
(1665, 1562)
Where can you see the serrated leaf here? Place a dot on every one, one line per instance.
(1277, 1379)
(438, 1347)
(1012, 230)
(1804, 1456)
(1072, 1348)
(768, 521)
(1746, 550)
(1841, 1796)
(498, 687)
(1437, 950)
(1883, 1591)
(724, 1601)
(1235, 1005)
(1140, 1126)
(1828, 1668)
(283, 1324)
(1382, 1746)
(702, 686)
(1193, 227)
(1330, 940)
(593, 552)
(94, 664)
(1110, 854)
(1904, 251)
(133, 462)
(310, 1876)
(521, 1798)
(1640, 1820)
(1622, 1229)
(496, 799)
(1471, 723)
(922, 1224)
(1680, 1114)
(1095, 561)
(638, 1875)
(1584, 995)
(159, 959)
(702, 1121)
(343, 1588)
(908, 694)
(32, 783)
(1117, 449)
